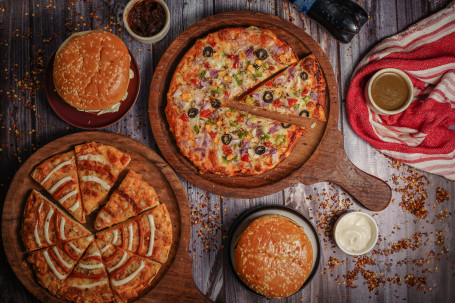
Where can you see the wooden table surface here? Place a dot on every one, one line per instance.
(414, 260)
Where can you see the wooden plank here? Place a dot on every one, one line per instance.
(209, 274)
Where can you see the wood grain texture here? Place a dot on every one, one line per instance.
(306, 163)
(173, 281)
(24, 129)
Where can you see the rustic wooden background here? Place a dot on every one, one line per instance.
(414, 259)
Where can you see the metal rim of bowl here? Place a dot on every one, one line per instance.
(248, 213)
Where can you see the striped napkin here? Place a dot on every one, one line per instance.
(421, 135)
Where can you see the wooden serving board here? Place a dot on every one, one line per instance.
(319, 154)
(174, 281)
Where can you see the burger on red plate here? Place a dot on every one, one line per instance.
(92, 71)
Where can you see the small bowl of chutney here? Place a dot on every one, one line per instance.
(389, 91)
(147, 21)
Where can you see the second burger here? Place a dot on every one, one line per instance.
(92, 71)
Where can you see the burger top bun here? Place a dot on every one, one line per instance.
(273, 256)
(91, 70)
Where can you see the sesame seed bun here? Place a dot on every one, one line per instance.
(273, 256)
(92, 70)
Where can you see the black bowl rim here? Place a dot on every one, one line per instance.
(248, 213)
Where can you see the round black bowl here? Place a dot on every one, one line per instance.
(247, 217)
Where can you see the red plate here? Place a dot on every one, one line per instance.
(86, 120)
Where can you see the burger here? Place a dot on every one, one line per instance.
(92, 71)
(273, 256)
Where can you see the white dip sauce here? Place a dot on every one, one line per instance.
(355, 232)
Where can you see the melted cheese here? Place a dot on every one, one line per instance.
(102, 216)
(46, 225)
(96, 253)
(75, 248)
(91, 266)
(130, 238)
(52, 266)
(57, 253)
(96, 180)
(122, 260)
(35, 233)
(62, 228)
(56, 169)
(74, 206)
(105, 248)
(152, 235)
(115, 236)
(67, 196)
(130, 277)
(90, 285)
(91, 157)
(60, 183)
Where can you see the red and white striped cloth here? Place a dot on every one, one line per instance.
(419, 136)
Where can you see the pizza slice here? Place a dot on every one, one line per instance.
(133, 196)
(224, 65)
(128, 273)
(148, 235)
(44, 224)
(52, 265)
(98, 167)
(58, 175)
(299, 90)
(236, 143)
(88, 282)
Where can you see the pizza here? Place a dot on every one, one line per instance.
(98, 167)
(133, 196)
(148, 235)
(300, 90)
(88, 282)
(55, 242)
(129, 273)
(223, 66)
(44, 224)
(53, 264)
(58, 175)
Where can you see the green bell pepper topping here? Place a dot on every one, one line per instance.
(249, 100)
(196, 129)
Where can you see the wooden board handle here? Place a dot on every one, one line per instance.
(370, 191)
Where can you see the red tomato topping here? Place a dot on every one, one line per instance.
(245, 158)
(305, 92)
(212, 42)
(240, 119)
(227, 149)
(195, 82)
(184, 117)
(268, 144)
(272, 68)
(276, 103)
(236, 64)
(212, 134)
(292, 102)
(269, 84)
(226, 93)
(206, 65)
(206, 113)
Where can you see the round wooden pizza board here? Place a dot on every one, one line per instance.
(174, 281)
(319, 154)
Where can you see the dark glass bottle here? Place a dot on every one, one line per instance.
(343, 18)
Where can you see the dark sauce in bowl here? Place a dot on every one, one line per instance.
(146, 18)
